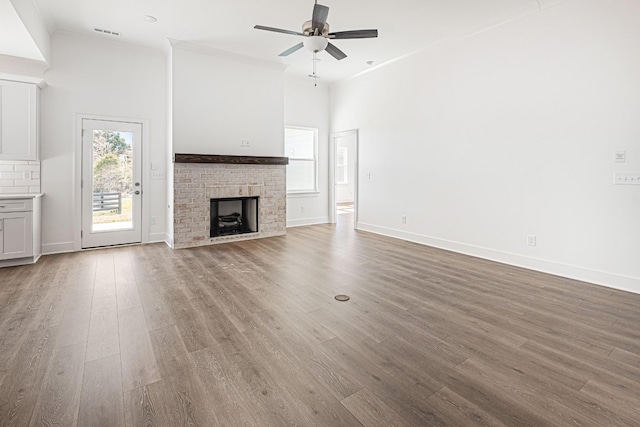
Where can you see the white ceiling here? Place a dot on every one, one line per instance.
(404, 25)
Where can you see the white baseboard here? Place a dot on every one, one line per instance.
(57, 248)
(64, 247)
(19, 261)
(611, 280)
(157, 237)
(307, 221)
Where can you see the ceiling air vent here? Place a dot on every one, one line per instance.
(107, 32)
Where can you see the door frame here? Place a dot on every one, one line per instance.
(77, 175)
(333, 152)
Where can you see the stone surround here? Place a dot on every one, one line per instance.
(195, 184)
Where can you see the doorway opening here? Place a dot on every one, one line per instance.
(344, 200)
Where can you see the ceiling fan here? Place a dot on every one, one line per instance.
(316, 34)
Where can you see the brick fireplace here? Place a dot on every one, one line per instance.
(199, 178)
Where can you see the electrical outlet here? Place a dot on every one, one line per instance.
(245, 143)
(154, 220)
(531, 240)
(403, 219)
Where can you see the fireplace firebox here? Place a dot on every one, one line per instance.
(234, 215)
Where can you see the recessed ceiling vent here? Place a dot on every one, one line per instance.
(107, 32)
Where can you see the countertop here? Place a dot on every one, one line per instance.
(20, 196)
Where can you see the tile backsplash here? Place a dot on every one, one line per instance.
(19, 177)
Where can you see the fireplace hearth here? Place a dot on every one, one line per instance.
(234, 215)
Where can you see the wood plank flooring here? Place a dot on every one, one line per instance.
(249, 334)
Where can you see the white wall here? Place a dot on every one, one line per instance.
(220, 100)
(510, 133)
(98, 77)
(308, 106)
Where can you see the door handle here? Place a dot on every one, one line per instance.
(136, 192)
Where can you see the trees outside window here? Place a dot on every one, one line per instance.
(112, 163)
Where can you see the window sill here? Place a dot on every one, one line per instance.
(303, 193)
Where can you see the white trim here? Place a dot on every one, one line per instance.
(58, 248)
(297, 194)
(19, 261)
(307, 221)
(157, 237)
(146, 181)
(76, 190)
(611, 280)
(37, 80)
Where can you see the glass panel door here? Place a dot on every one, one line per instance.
(111, 185)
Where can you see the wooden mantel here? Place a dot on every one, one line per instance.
(229, 160)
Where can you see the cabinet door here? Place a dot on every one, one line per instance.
(16, 231)
(18, 121)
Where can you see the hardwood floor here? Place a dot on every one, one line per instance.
(249, 334)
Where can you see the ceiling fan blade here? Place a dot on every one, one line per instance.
(319, 17)
(291, 50)
(278, 30)
(335, 52)
(355, 34)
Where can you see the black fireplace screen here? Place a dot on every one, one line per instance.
(236, 215)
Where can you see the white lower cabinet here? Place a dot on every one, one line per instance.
(16, 235)
(19, 231)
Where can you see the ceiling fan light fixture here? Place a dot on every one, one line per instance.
(315, 43)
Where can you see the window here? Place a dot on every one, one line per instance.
(342, 168)
(300, 145)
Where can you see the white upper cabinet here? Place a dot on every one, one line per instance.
(18, 121)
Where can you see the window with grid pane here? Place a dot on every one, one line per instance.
(301, 147)
(342, 171)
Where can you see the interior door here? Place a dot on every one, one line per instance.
(111, 183)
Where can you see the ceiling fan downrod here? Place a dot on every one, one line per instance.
(315, 75)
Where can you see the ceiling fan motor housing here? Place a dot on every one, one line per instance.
(307, 29)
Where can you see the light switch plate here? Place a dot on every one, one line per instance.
(626, 178)
(620, 156)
